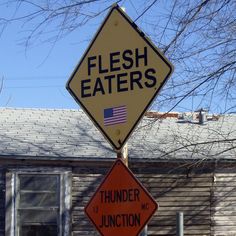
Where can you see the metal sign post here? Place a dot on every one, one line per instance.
(179, 224)
(145, 231)
(123, 154)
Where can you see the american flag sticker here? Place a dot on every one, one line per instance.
(115, 115)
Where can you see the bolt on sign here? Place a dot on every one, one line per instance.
(120, 205)
(118, 77)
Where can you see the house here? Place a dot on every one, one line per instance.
(52, 161)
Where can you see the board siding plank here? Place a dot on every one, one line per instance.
(173, 192)
(223, 203)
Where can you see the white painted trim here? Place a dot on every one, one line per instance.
(65, 197)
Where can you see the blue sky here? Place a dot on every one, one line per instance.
(36, 77)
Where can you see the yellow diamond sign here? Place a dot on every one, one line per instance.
(118, 77)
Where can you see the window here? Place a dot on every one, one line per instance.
(38, 203)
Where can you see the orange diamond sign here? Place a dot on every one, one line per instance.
(120, 205)
(118, 77)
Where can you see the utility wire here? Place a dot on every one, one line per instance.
(145, 10)
(33, 87)
(133, 6)
(35, 78)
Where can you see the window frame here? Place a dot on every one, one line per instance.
(12, 196)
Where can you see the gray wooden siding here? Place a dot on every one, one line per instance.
(207, 197)
(173, 191)
(84, 183)
(224, 204)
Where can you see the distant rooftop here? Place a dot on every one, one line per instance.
(69, 134)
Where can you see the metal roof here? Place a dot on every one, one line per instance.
(69, 134)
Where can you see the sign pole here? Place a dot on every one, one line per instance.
(140, 71)
(180, 224)
(145, 231)
(123, 154)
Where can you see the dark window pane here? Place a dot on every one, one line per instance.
(39, 230)
(38, 182)
(39, 204)
(38, 199)
(38, 216)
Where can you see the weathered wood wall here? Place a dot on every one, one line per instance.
(207, 196)
(224, 203)
(84, 183)
(174, 191)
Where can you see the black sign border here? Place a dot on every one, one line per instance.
(147, 40)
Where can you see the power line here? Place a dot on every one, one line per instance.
(145, 10)
(133, 6)
(33, 78)
(33, 87)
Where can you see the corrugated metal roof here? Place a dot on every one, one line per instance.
(47, 133)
